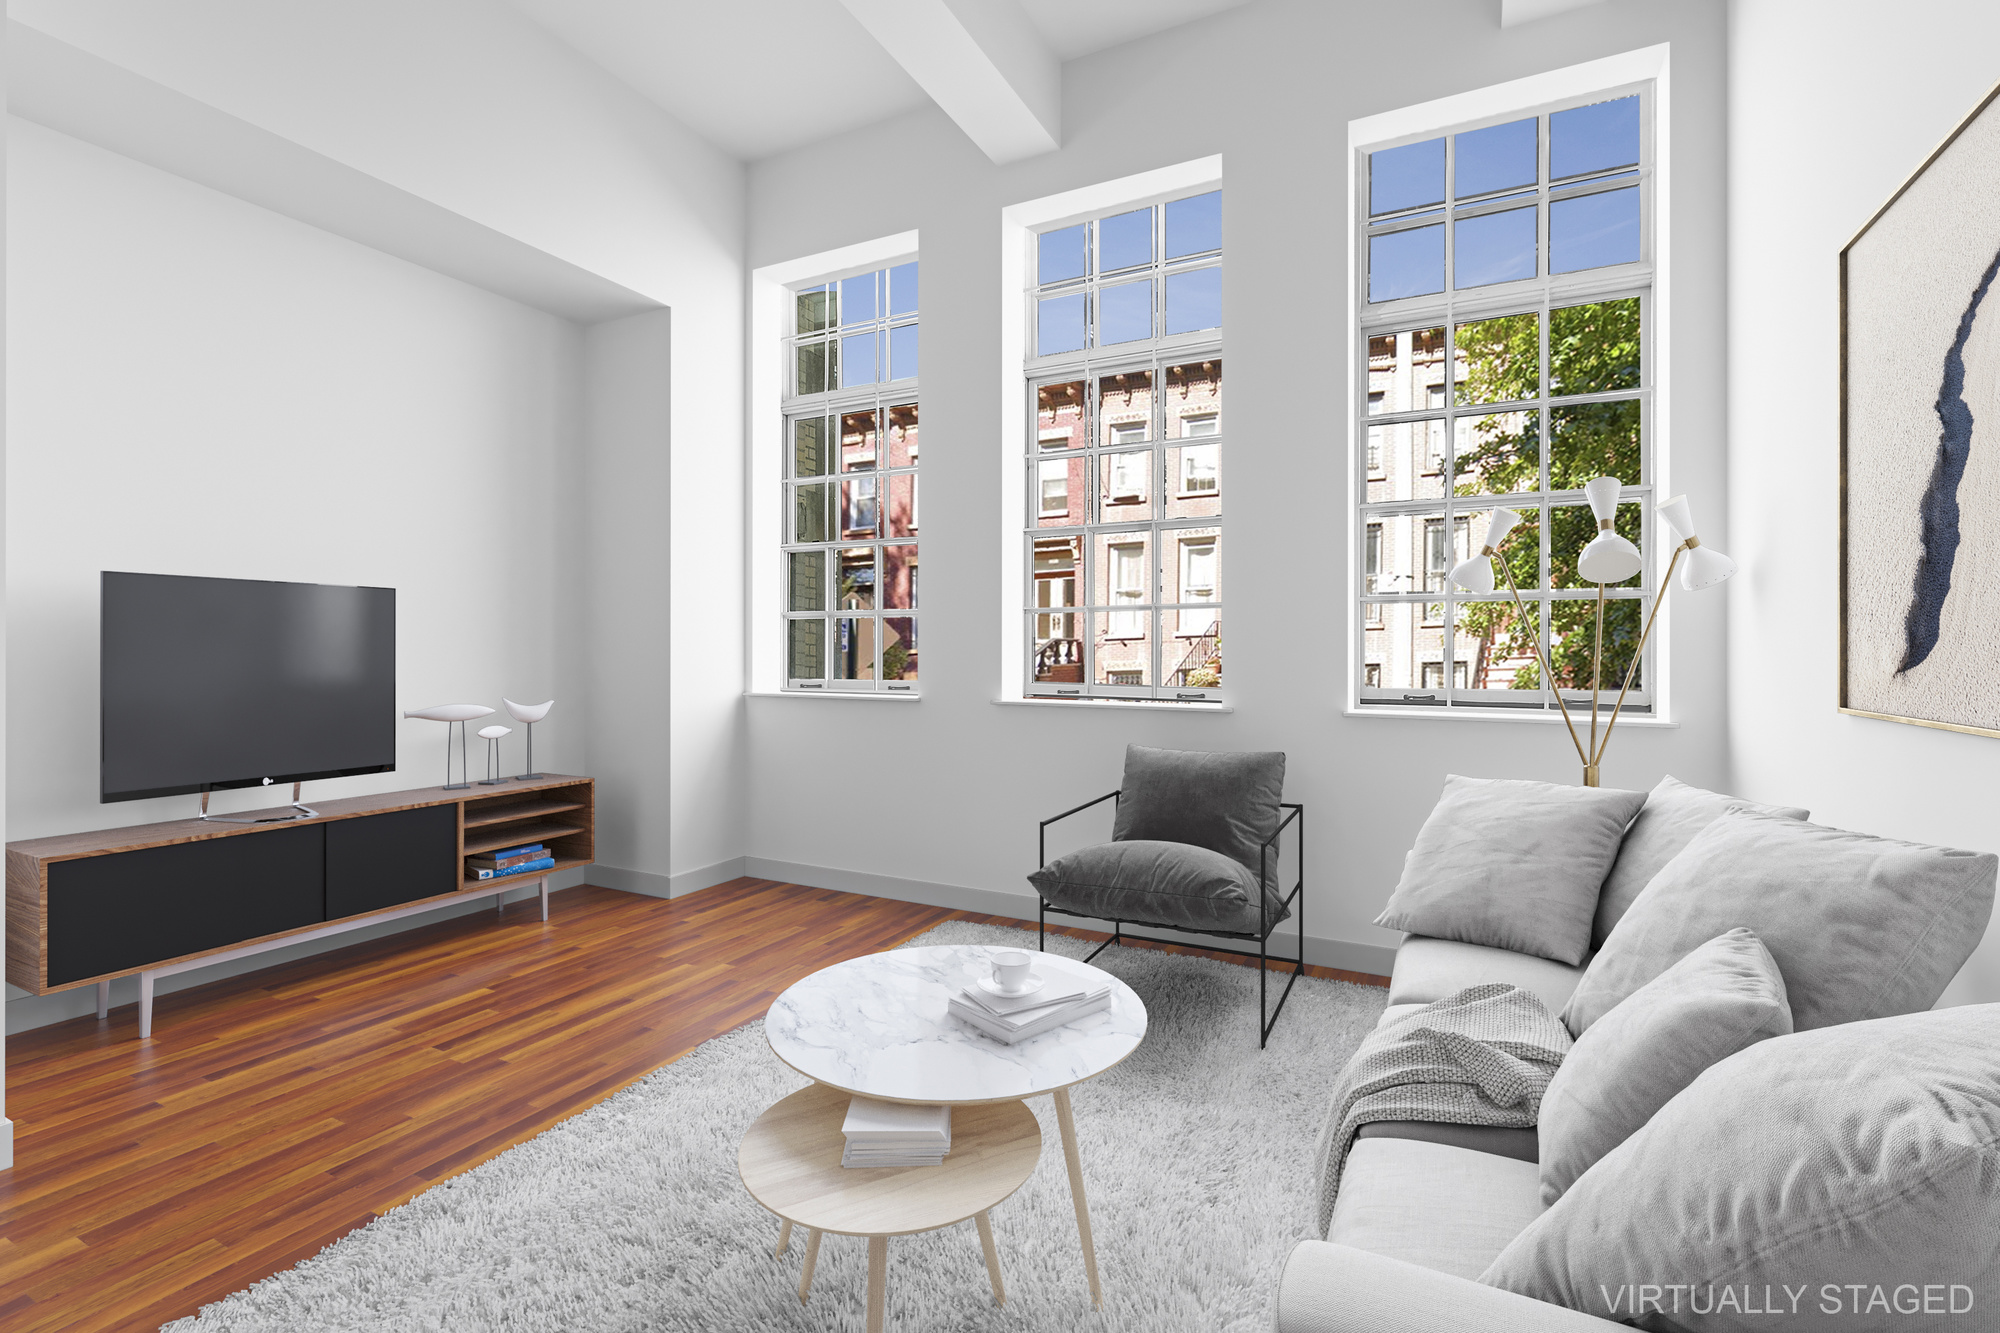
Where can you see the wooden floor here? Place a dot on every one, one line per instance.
(275, 1112)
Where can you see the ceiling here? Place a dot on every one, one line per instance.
(757, 77)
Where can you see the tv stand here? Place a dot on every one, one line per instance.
(301, 812)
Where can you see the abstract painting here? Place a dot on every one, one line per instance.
(1920, 443)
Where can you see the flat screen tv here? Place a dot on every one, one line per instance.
(207, 684)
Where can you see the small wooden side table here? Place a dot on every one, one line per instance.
(790, 1163)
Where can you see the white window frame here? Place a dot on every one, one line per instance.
(1645, 71)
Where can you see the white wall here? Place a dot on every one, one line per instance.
(1832, 104)
(938, 800)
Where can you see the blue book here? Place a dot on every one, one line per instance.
(512, 851)
(526, 868)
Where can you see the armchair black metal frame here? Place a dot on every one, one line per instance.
(1266, 1018)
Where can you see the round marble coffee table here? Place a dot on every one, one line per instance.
(877, 1026)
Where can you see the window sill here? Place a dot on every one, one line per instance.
(877, 695)
(1151, 705)
(1500, 715)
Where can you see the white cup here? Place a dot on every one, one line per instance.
(1012, 970)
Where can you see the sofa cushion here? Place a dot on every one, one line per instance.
(1719, 999)
(1165, 883)
(1224, 801)
(1441, 1207)
(1860, 1153)
(1861, 927)
(1674, 812)
(1514, 865)
(1428, 969)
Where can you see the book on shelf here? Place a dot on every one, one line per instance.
(1018, 1017)
(893, 1134)
(525, 868)
(501, 860)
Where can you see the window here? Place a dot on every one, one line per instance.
(850, 478)
(1505, 328)
(1124, 364)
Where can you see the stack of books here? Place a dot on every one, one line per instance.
(514, 861)
(1012, 1018)
(892, 1134)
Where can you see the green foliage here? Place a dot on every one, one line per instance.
(1208, 676)
(895, 658)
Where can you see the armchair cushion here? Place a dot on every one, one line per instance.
(1164, 883)
(1226, 802)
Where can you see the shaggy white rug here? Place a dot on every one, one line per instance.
(1197, 1158)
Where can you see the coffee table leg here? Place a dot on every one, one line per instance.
(992, 1259)
(812, 1257)
(784, 1236)
(878, 1277)
(1067, 1119)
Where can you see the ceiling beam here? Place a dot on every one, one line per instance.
(982, 62)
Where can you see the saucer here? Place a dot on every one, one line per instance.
(1034, 984)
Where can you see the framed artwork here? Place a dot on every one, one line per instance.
(1920, 443)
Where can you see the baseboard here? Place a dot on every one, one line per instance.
(1321, 951)
(655, 885)
(34, 1011)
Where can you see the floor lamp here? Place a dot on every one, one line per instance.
(1607, 558)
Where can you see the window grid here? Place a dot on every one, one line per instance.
(1123, 560)
(849, 562)
(1445, 677)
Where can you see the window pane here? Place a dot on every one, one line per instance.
(1191, 565)
(805, 651)
(1125, 486)
(1572, 526)
(1059, 324)
(899, 576)
(1058, 636)
(1194, 226)
(1060, 255)
(1594, 348)
(1059, 490)
(854, 648)
(809, 451)
(1406, 177)
(1194, 398)
(1521, 550)
(812, 513)
(1406, 263)
(1573, 640)
(817, 307)
(1194, 300)
(1059, 416)
(903, 289)
(1125, 406)
(857, 579)
(1193, 642)
(1125, 240)
(1494, 247)
(899, 648)
(1406, 371)
(1196, 467)
(903, 352)
(1498, 157)
(1589, 440)
(857, 442)
(807, 581)
(1123, 574)
(858, 302)
(1499, 453)
(1499, 360)
(1594, 230)
(903, 435)
(1403, 552)
(1124, 313)
(1404, 650)
(1592, 138)
(1122, 648)
(1407, 461)
(857, 507)
(818, 367)
(1493, 646)
(857, 358)
(903, 505)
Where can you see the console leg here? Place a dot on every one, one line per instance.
(145, 1005)
(545, 897)
(103, 999)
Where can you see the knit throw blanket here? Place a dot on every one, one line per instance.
(1480, 1057)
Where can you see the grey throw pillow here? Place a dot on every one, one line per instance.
(1674, 812)
(1165, 883)
(1515, 865)
(1724, 996)
(1867, 1153)
(1861, 927)
(1226, 802)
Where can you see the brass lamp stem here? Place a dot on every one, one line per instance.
(1596, 683)
(1632, 667)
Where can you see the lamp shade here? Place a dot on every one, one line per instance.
(1608, 558)
(449, 712)
(1474, 575)
(1704, 566)
(1498, 524)
(528, 712)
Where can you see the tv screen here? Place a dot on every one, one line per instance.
(214, 683)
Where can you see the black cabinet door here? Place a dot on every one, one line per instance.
(123, 910)
(380, 861)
